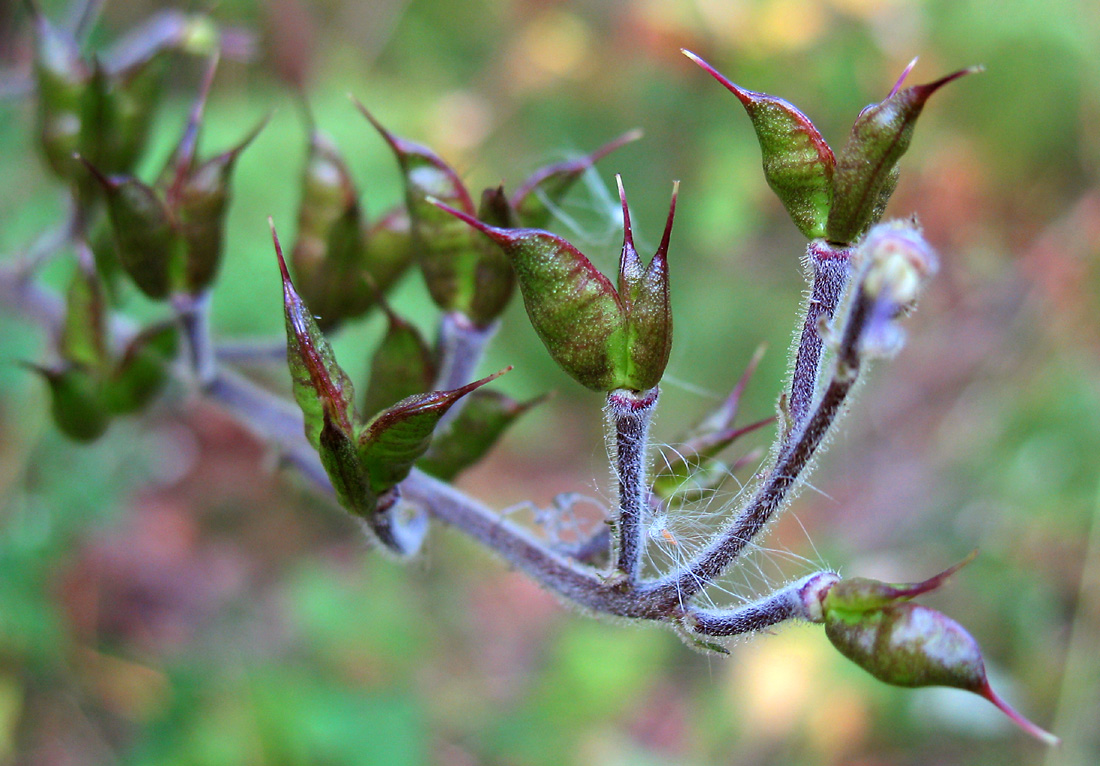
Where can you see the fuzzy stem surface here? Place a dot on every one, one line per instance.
(629, 414)
(831, 268)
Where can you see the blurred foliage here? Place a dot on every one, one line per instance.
(164, 599)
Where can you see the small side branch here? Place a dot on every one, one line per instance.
(800, 600)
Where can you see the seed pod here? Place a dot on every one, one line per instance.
(389, 249)
(135, 93)
(463, 273)
(866, 166)
(480, 424)
(644, 296)
(873, 624)
(394, 439)
(321, 387)
(363, 460)
(798, 164)
(328, 254)
(200, 211)
(61, 78)
(147, 245)
(401, 366)
(536, 197)
(340, 457)
(76, 402)
(604, 339)
(142, 371)
(83, 339)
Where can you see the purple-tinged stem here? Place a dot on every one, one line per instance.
(629, 414)
(831, 268)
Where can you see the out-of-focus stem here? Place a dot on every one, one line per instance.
(194, 314)
(462, 346)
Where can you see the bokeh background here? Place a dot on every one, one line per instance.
(167, 597)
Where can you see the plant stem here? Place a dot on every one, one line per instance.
(194, 315)
(629, 414)
(260, 351)
(797, 600)
(461, 347)
(831, 268)
(792, 459)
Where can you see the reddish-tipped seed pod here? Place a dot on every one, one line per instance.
(604, 338)
(875, 625)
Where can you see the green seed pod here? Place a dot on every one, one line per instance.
(76, 402)
(604, 339)
(62, 78)
(536, 198)
(394, 439)
(340, 457)
(389, 249)
(83, 341)
(142, 371)
(470, 436)
(363, 460)
(148, 246)
(798, 164)
(328, 254)
(643, 294)
(873, 624)
(401, 366)
(866, 170)
(463, 273)
(200, 211)
(321, 387)
(136, 94)
(495, 209)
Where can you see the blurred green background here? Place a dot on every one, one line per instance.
(166, 598)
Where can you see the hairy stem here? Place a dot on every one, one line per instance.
(792, 459)
(629, 414)
(831, 268)
(799, 600)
